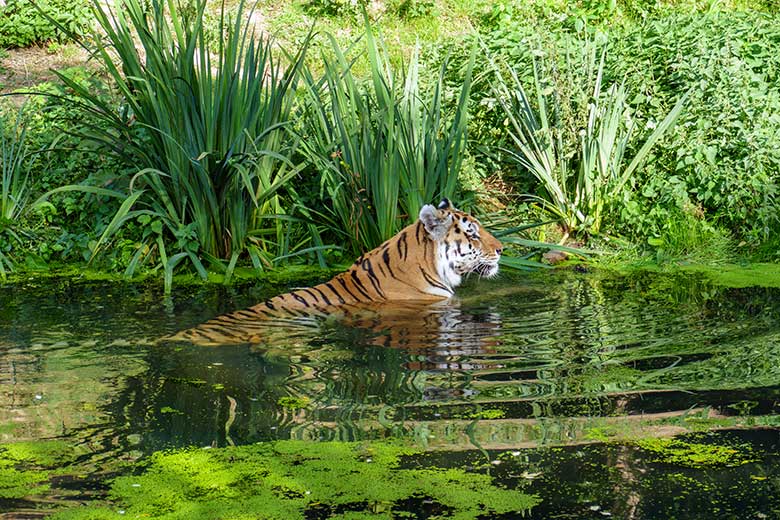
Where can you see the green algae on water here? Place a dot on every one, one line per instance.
(697, 455)
(287, 480)
(739, 276)
(22, 466)
(293, 403)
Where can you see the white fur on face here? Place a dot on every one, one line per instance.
(458, 256)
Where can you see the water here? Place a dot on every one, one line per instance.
(566, 371)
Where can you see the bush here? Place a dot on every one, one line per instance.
(22, 24)
(384, 147)
(204, 123)
(574, 141)
(724, 155)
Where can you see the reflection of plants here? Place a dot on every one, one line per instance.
(384, 148)
(293, 403)
(575, 148)
(204, 121)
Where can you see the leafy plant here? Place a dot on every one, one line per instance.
(384, 148)
(575, 147)
(724, 155)
(24, 22)
(204, 121)
(14, 185)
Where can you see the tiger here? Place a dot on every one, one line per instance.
(423, 263)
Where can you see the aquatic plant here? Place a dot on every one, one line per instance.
(697, 455)
(296, 479)
(20, 483)
(14, 184)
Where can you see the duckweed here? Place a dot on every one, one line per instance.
(740, 276)
(697, 455)
(286, 480)
(16, 482)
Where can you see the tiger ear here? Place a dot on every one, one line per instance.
(446, 204)
(436, 222)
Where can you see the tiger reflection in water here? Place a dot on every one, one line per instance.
(402, 290)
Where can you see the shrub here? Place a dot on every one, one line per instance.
(22, 24)
(66, 226)
(574, 140)
(14, 185)
(203, 121)
(724, 155)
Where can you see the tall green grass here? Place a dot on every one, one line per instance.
(384, 147)
(14, 184)
(575, 145)
(204, 120)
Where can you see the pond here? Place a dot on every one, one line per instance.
(553, 395)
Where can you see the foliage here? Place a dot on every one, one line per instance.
(23, 22)
(66, 227)
(14, 185)
(384, 148)
(295, 479)
(336, 7)
(575, 146)
(724, 155)
(204, 122)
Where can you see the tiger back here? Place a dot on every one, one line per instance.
(424, 262)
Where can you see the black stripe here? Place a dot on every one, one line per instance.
(216, 329)
(299, 298)
(398, 244)
(417, 231)
(406, 246)
(334, 291)
(368, 268)
(344, 285)
(327, 301)
(246, 313)
(359, 284)
(269, 305)
(307, 291)
(431, 281)
(386, 258)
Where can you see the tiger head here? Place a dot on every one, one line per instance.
(463, 245)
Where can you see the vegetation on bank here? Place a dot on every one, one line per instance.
(197, 147)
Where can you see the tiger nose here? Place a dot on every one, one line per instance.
(499, 250)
